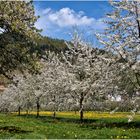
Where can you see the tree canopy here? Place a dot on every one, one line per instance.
(17, 36)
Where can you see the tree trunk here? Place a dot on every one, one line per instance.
(27, 112)
(27, 107)
(19, 110)
(81, 115)
(38, 107)
(81, 107)
(137, 17)
(54, 114)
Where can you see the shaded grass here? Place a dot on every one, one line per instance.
(13, 129)
(68, 126)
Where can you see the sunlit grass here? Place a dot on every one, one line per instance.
(87, 114)
(97, 125)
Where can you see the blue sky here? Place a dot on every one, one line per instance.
(59, 18)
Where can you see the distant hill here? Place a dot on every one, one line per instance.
(55, 45)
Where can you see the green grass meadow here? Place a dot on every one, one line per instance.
(67, 126)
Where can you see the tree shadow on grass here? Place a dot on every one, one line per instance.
(13, 129)
(88, 123)
(51, 119)
(74, 120)
(100, 125)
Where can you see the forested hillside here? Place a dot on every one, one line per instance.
(44, 44)
(55, 45)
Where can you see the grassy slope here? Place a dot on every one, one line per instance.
(67, 125)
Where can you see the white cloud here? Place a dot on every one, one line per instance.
(57, 21)
(68, 17)
(46, 11)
